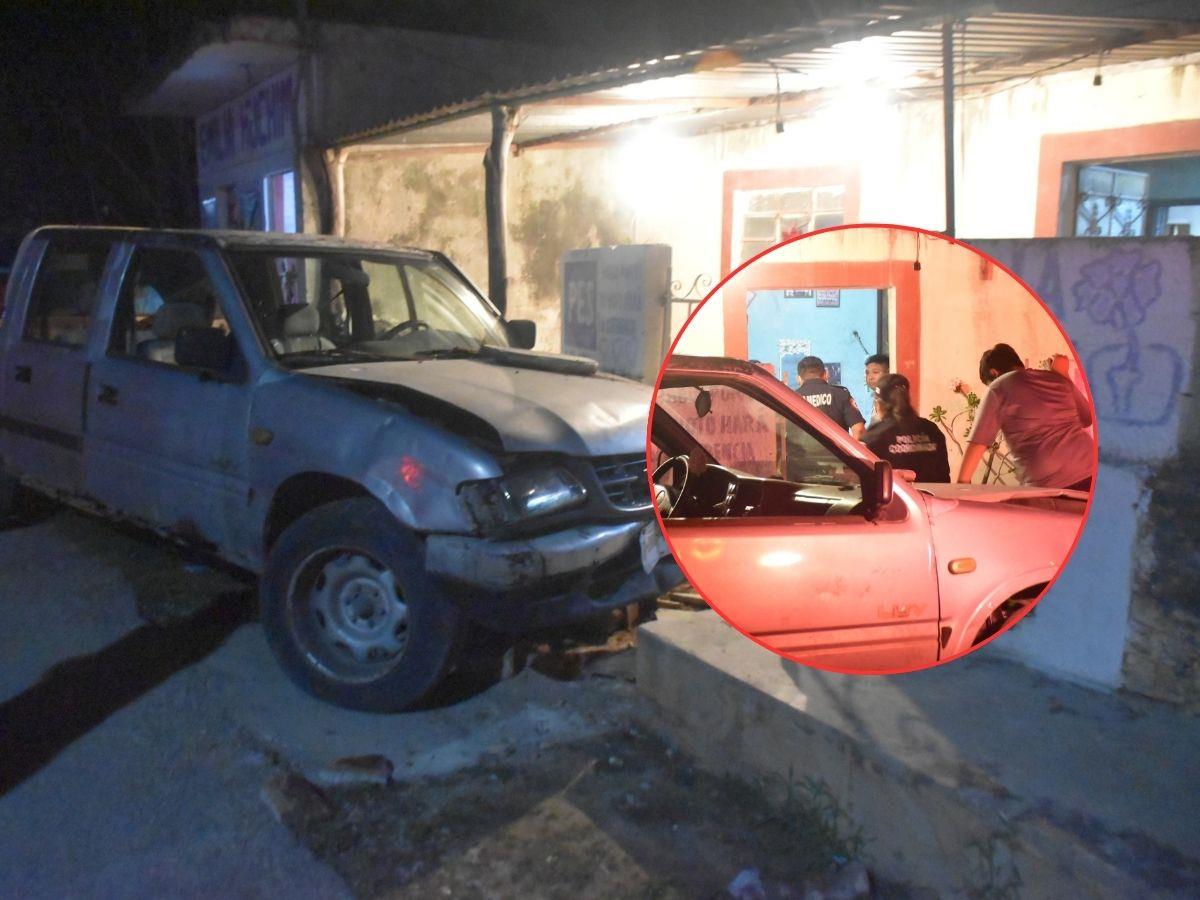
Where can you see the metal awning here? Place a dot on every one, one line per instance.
(781, 75)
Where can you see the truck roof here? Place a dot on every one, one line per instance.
(258, 240)
(683, 362)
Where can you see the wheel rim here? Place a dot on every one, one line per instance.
(348, 615)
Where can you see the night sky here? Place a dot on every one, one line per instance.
(70, 154)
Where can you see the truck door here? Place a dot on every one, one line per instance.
(166, 444)
(46, 361)
(775, 538)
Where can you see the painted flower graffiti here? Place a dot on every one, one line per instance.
(1137, 382)
(1117, 289)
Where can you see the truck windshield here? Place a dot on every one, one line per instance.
(323, 307)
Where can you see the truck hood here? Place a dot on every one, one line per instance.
(1001, 498)
(530, 409)
(994, 493)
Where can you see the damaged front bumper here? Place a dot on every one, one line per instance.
(551, 579)
(503, 565)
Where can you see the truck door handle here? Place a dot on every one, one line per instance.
(108, 394)
(24, 374)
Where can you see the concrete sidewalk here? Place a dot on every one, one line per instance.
(976, 777)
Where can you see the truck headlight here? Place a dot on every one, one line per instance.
(526, 495)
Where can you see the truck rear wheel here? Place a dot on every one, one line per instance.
(350, 612)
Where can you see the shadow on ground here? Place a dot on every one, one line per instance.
(78, 694)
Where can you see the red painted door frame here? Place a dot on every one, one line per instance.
(896, 274)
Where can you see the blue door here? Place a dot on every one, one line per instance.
(843, 326)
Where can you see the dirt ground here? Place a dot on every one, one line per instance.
(619, 815)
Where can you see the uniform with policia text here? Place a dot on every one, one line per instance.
(916, 444)
(833, 400)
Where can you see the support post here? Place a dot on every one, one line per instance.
(948, 118)
(495, 167)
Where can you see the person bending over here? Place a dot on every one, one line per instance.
(1043, 418)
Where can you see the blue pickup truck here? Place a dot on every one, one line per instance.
(354, 423)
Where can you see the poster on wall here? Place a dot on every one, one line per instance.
(791, 351)
(613, 302)
(828, 299)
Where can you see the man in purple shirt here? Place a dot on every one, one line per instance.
(1042, 417)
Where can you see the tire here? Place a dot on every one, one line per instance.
(350, 612)
(1005, 611)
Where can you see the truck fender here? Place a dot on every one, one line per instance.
(964, 634)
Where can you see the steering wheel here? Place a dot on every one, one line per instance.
(667, 498)
(397, 330)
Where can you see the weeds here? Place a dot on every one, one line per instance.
(810, 813)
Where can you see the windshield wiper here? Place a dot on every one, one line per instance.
(446, 353)
(327, 353)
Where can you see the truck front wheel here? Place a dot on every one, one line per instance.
(350, 613)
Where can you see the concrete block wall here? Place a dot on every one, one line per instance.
(1126, 610)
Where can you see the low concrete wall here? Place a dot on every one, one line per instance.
(1126, 611)
(978, 778)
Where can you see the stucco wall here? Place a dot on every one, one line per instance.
(651, 187)
(558, 201)
(1126, 610)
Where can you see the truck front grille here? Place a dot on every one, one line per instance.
(624, 480)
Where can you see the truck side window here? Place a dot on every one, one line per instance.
(164, 291)
(802, 476)
(65, 291)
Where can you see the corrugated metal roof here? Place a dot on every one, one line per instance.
(898, 46)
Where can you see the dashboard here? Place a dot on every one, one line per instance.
(714, 491)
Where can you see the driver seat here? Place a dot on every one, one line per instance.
(301, 331)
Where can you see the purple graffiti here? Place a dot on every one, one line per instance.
(1138, 382)
(1117, 289)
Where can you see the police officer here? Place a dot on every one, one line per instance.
(832, 399)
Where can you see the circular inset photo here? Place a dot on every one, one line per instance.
(872, 449)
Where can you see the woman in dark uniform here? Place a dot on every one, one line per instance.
(905, 439)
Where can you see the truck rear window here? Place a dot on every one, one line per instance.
(65, 291)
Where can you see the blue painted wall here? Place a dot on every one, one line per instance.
(774, 317)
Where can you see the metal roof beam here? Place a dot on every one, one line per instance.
(1112, 41)
(919, 19)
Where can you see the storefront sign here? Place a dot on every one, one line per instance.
(255, 124)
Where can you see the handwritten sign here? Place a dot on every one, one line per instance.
(739, 432)
(255, 124)
(613, 303)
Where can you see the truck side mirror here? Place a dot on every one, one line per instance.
(522, 333)
(882, 484)
(210, 349)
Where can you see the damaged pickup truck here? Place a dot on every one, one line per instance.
(354, 423)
